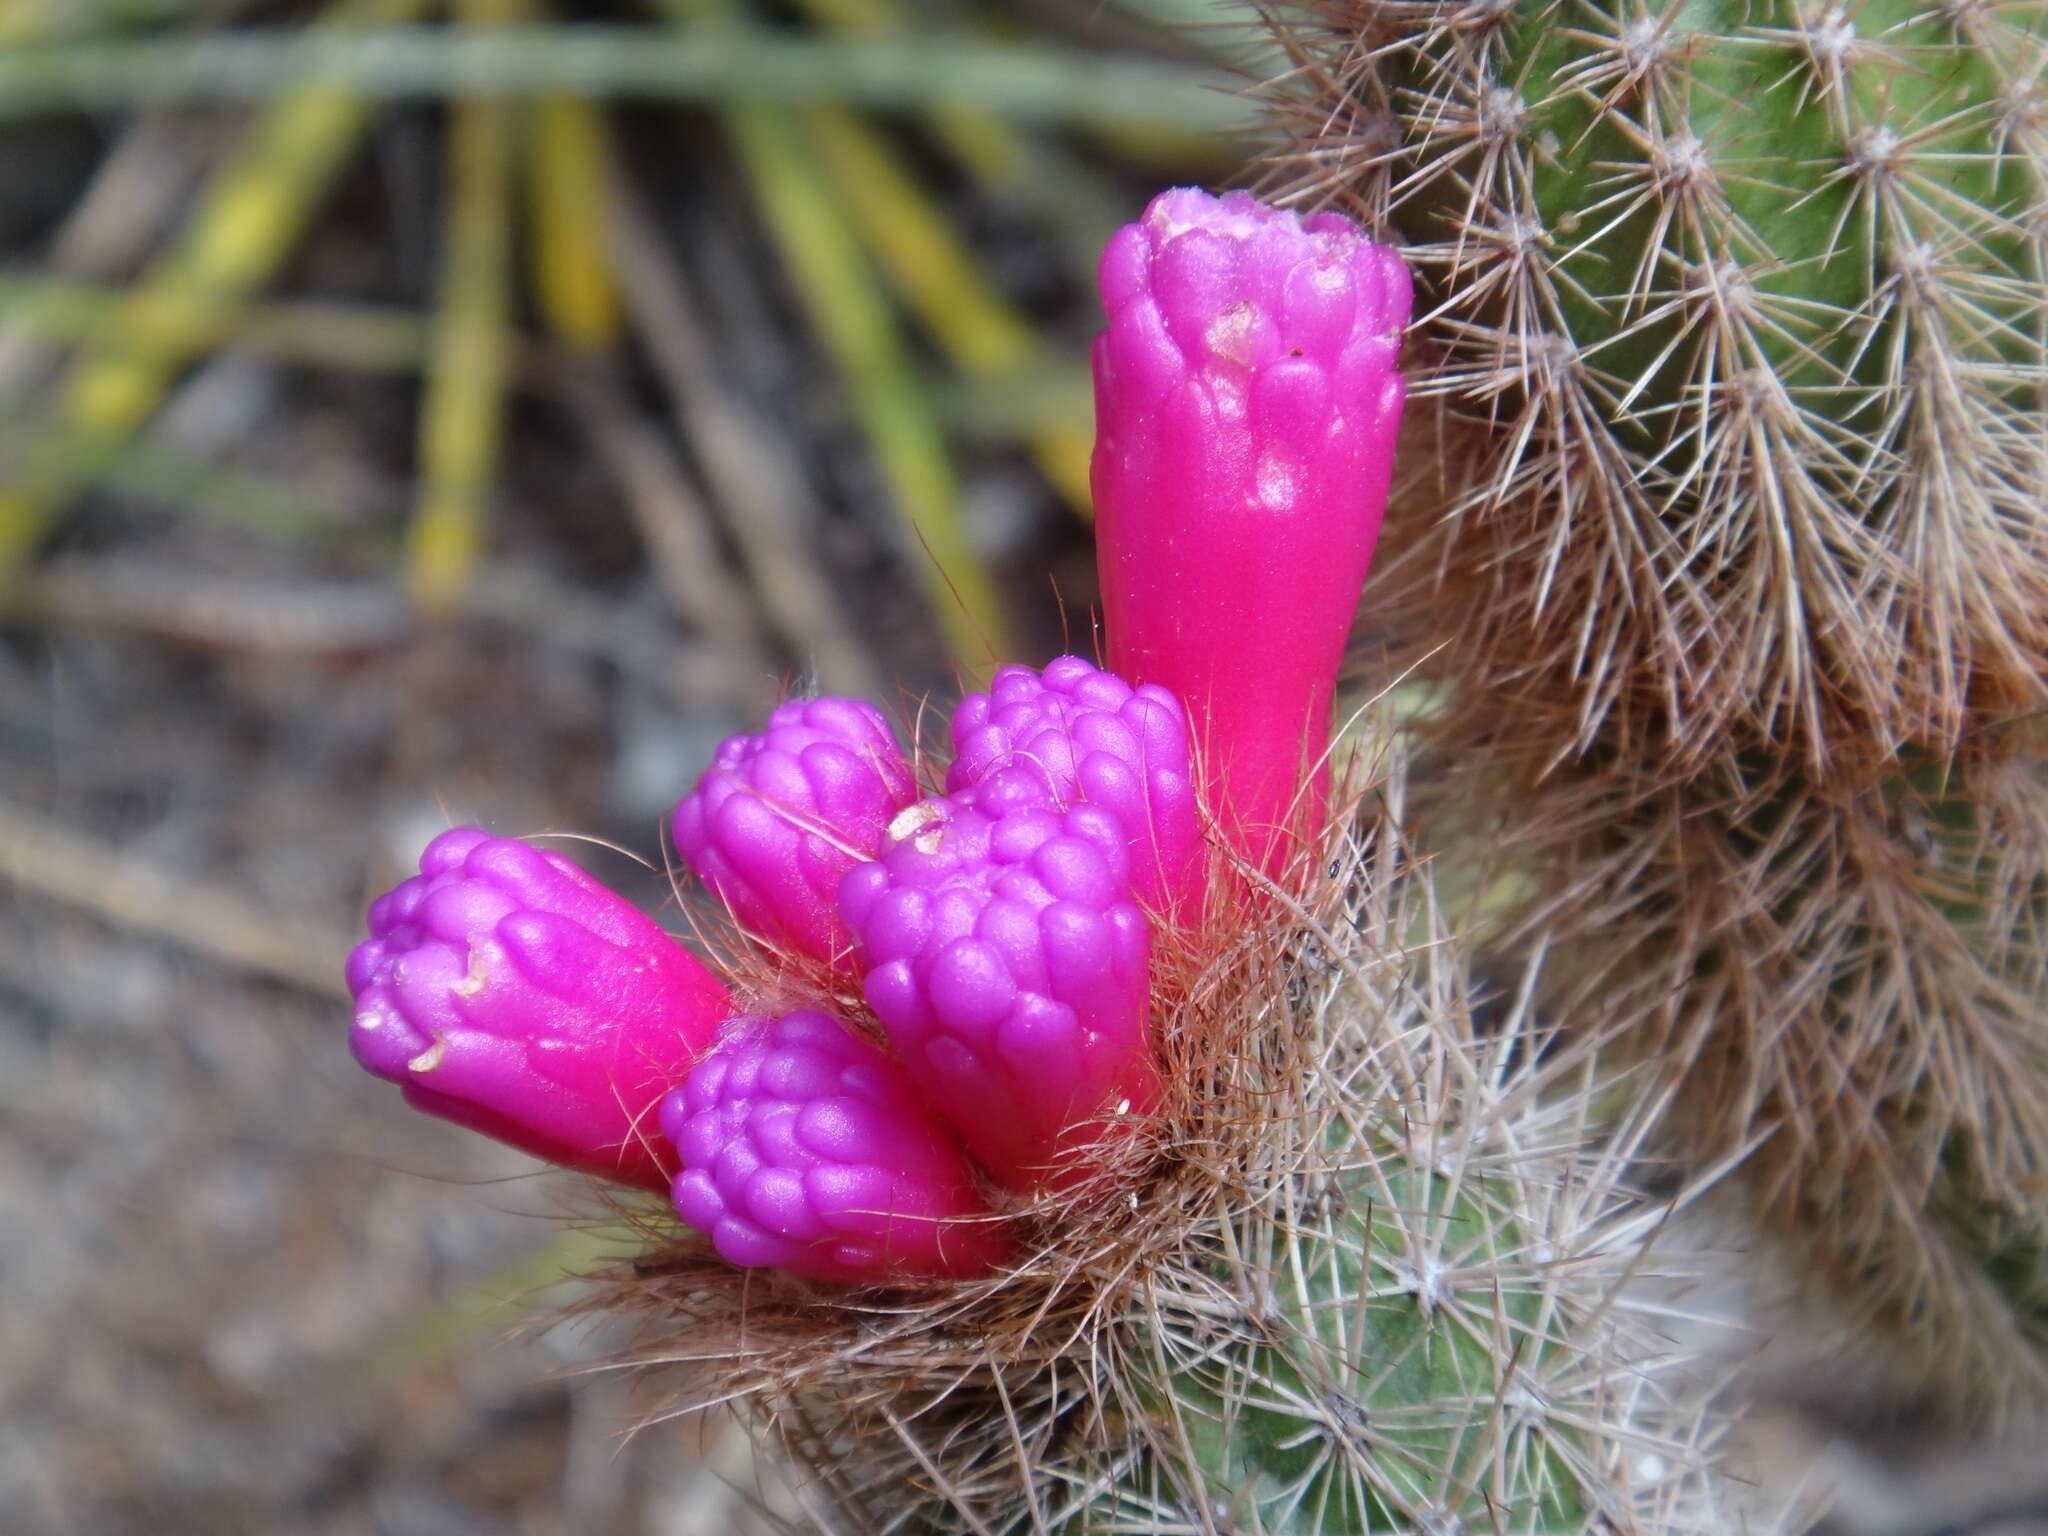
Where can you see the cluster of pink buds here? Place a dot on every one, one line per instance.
(1001, 930)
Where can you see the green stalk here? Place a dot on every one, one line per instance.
(825, 262)
(821, 252)
(352, 338)
(1030, 82)
(249, 218)
(935, 273)
(570, 173)
(462, 420)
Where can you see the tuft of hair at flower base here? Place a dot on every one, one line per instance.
(505, 990)
(781, 815)
(1246, 405)
(1007, 960)
(1381, 1273)
(806, 1148)
(1075, 734)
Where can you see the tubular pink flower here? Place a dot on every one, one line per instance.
(504, 989)
(1007, 961)
(1076, 735)
(1246, 404)
(806, 1148)
(779, 817)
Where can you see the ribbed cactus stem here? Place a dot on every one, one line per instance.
(1742, 301)
(1736, 342)
(1359, 1402)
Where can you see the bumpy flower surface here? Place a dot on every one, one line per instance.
(504, 989)
(1076, 734)
(1246, 404)
(780, 816)
(806, 1148)
(1006, 958)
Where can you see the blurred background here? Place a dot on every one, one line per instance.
(421, 413)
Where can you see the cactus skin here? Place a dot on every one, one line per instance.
(806, 1148)
(1075, 734)
(1007, 960)
(1862, 975)
(1736, 334)
(1246, 403)
(1336, 1424)
(781, 815)
(505, 990)
(1743, 299)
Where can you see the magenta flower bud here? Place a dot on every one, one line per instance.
(1007, 961)
(1246, 403)
(1077, 735)
(504, 989)
(779, 817)
(806, 1148)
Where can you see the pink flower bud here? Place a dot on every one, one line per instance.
(779, 817)
(806, 1148)
(1246, 404)
(1077, 735)
(1007, 961)
(504, 989)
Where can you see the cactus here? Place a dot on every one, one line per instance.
(1368, 1268)
(1744, 301)
(1736, 362)
(1853, 986)
(1375, 1275)
(1262, 1231)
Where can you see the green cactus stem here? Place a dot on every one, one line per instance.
(1737, 344)
(1745, 300)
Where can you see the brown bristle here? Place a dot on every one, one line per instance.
(1326, 1056)
(1698, 514)
(1729, 584)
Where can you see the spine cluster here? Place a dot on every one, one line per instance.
(1736, 313)
(1736, 374)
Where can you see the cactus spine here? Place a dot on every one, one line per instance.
(1371, 1275)
(1737, 353)
(1747, 296)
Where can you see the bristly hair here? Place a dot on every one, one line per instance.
(1743, 335)
(1376, 1263)
(1848, 980)
(1721, 543)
